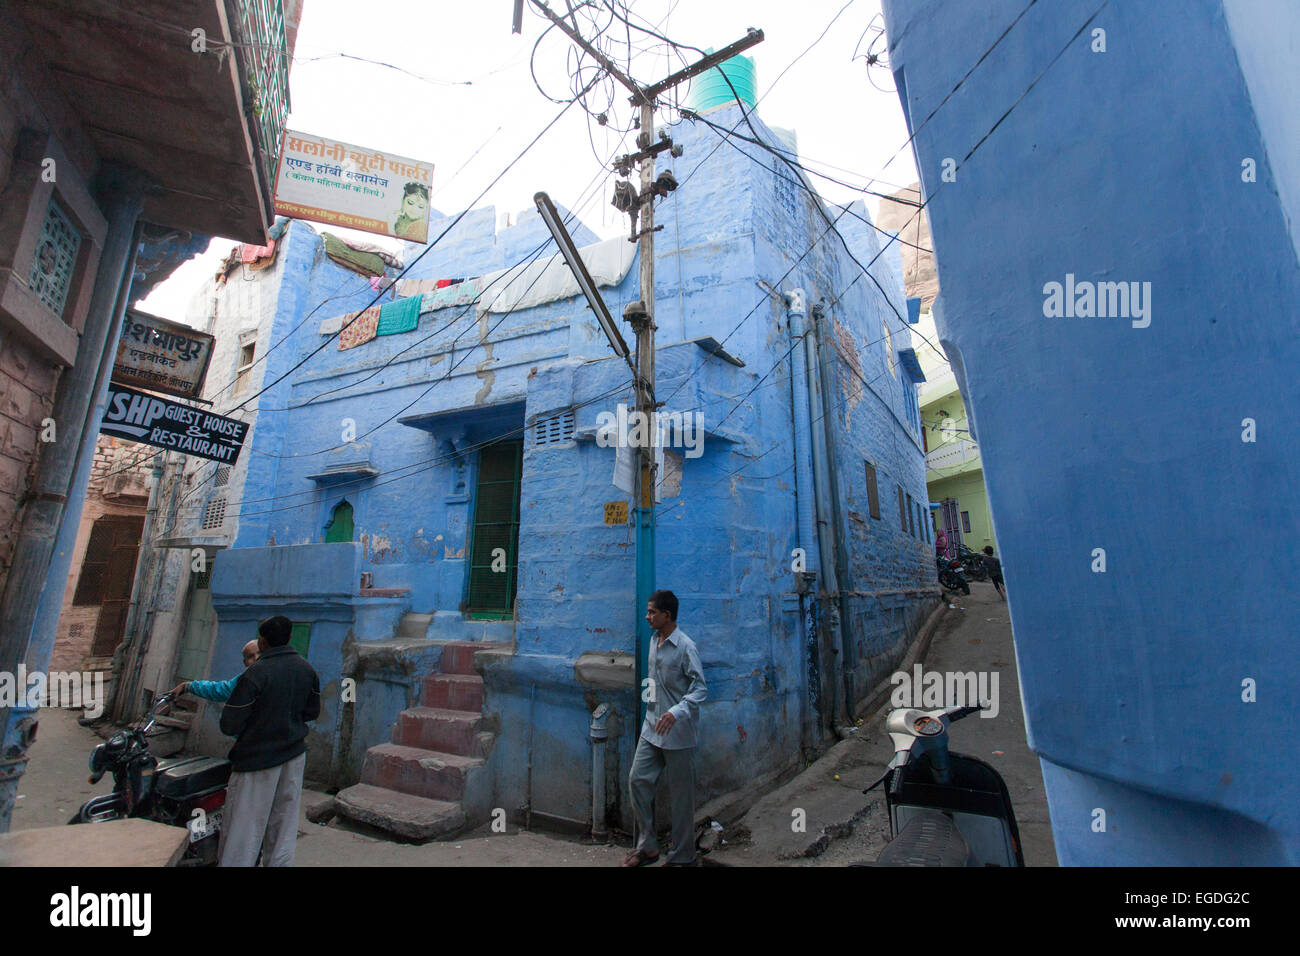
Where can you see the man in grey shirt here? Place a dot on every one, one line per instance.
(675, 689)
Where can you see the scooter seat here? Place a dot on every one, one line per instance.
(187, 776)
(929, 838)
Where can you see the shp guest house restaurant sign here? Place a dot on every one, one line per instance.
(137, 416)
(162, 356)
(344, 185)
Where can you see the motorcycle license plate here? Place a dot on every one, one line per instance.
(212, 825)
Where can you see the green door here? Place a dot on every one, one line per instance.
(494, 551)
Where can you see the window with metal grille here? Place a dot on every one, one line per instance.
(203, 580)
(965, 522)
(902, 509)
(223, 476)
(911, 514)
(214, 515)
(554, 430)
(873, 494)
(786, 188)
(56, 259)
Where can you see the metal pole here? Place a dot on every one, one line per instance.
(645, 404)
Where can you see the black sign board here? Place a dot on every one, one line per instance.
(138, 416)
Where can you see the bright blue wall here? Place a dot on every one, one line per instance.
(1127, 165)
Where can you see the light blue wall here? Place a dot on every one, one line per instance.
(724, 542)
(1127, 166)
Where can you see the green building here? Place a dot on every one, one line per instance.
(954, 473)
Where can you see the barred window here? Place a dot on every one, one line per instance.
(55, 260)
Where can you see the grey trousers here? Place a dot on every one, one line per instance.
(650, 761)
(261, 813)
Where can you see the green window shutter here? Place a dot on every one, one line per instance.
(340, 527)
(300, 638)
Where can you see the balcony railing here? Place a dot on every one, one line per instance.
(956, 452)
(264, 57)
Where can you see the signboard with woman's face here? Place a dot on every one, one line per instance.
(324, 180)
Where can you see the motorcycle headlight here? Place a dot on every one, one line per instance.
(97, 757)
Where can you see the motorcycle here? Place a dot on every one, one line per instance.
(972, 564)
(950, 576)
(187, 792)
(945, 809)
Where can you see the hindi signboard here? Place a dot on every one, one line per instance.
(162, 356)
(163, 423)
(344, 185)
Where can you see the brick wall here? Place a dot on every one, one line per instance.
(26, 397)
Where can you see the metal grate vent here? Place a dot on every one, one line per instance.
(56, 260)
(223, 476)
(554, 430)
(214, 516)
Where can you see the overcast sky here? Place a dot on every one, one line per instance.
(458, 93)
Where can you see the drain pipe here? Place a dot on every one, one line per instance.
(599, 734)
(806, 525)
(825, 529)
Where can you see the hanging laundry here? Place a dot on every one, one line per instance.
(402, 315)
(364, 263)
(359, 328)
(263, 256)
(420, 286)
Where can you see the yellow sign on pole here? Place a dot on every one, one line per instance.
(616, 512)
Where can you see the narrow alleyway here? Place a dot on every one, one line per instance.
(843, 825)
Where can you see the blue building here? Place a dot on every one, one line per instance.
(1119, 271)
(457, 467)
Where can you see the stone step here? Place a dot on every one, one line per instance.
(453, 692)
(401, 814)
(421, 773)
(439, 729)
(458, 656)
(415, 626)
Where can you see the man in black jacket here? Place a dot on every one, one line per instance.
(268, 713)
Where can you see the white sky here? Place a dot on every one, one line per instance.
(841, 118)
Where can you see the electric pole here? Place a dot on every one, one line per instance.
(639, 205)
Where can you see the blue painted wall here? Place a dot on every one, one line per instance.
(725, 538)
(1127, 165)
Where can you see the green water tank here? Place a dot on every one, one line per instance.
(709, 90)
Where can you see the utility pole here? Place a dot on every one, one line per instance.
(641, 314)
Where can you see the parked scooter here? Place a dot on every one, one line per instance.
(950, 576)
(171, 790)
(945, 809)
(972, 564)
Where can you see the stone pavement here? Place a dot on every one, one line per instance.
(842, 824)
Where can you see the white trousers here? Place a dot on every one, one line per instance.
(261, 813)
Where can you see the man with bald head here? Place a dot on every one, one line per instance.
(218, 690)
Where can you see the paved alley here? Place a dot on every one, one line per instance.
(843, 825)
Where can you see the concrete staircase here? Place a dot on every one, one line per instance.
(431, 780)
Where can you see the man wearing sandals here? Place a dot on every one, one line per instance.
(668, 737)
